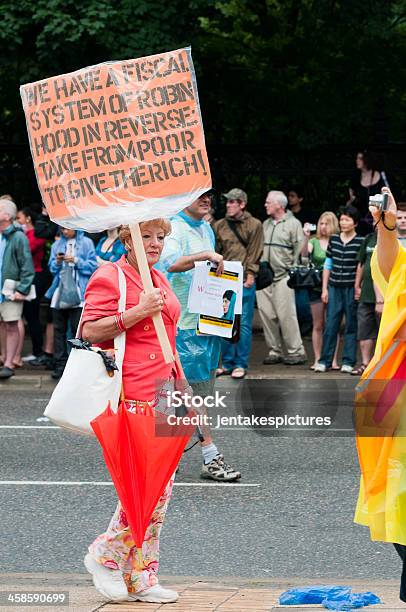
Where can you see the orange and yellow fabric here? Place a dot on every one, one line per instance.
(380, 416)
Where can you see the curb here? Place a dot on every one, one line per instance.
(34, 381)
(197, 593)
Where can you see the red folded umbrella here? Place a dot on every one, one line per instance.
(140, 461)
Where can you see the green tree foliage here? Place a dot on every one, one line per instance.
(311, 71)
(49, 37)
(299, 72)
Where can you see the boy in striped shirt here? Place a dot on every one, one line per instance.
(338, 291)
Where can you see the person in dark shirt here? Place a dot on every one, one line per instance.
(369, 305)
(44, 227)
(366, 181)
(300, 211)
(338, 291)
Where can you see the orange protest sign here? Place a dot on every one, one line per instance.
(118, 142)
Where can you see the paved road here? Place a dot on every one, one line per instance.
(296, 522)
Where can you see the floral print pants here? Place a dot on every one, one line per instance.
(115, 548)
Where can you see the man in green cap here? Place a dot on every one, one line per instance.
(239, 237)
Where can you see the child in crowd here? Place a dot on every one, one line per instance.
(338, 291)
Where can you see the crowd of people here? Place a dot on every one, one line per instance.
(55, 280)
(49, 268)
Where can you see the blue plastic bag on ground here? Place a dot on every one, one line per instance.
(354, 600)
(339, 598)
(312, 594)
(370, 598)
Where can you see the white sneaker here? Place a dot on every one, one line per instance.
(28, 358)
(155, 594)
(219, 470)
(346, 369)
(108, 582)
(320, 367)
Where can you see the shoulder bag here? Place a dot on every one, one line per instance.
(86, 387)
(304, 277)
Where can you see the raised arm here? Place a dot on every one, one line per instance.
(307, 246)
(387, 247)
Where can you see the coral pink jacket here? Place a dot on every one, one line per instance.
(144, 368)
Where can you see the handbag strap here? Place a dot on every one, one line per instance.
(233, 228)
(119, 341)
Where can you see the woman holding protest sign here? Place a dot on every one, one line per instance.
(112, 558)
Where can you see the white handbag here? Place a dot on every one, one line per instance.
(85, 388)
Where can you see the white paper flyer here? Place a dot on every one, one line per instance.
(216, 298)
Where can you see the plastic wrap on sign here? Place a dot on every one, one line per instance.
(118, 142)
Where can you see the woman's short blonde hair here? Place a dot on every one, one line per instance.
(163, 224)
(332, 223)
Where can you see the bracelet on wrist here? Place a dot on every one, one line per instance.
(390, 229)
(119, 321)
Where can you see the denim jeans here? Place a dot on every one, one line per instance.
(237, 355)
(304, 313)
(340, 302)
(63, 319)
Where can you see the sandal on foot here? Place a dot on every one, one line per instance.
(222, 372)
(359, 371)
(238, 373)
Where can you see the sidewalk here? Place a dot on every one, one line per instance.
(39, 378)
(197, 594)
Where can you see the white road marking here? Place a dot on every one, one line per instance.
(72, 483)
(30, 427)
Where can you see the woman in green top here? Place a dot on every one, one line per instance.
(315, 249)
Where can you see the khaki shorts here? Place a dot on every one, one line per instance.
(11, 311)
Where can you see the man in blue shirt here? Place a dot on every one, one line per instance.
(191, 240)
